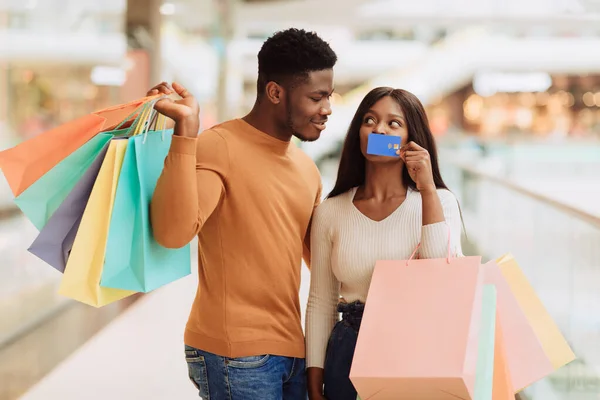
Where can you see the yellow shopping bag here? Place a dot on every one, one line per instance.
(554, 344)
(81, 280)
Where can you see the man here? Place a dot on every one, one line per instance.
(248, 193)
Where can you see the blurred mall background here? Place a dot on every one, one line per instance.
(512, 88)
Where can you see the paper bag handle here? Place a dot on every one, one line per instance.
(419, 245)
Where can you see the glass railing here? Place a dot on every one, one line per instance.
(558, 247)
(28, 287)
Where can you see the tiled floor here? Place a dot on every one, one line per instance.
(25, 361)
(138, 356)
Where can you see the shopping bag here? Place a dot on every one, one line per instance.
(484, 374)
(134, 260)
(527, 361)
(419, 334)
(535, 345)
(25, 163)
(81, 278)
(55, 240)
(40, 200)
(503, 387)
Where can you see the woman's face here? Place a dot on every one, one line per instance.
(384, 117)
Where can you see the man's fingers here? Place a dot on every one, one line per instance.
(163, 104)
(162, 87)
(183, 92)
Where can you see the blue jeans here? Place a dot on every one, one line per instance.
(265, 377)
(340, 351)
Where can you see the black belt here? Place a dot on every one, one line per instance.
(352, 313)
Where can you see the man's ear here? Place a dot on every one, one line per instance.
(274, 92)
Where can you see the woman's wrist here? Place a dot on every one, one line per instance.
(428, 189)
(315, 381)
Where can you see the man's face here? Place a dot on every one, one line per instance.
(307, 105)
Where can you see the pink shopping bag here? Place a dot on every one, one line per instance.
(419, 333)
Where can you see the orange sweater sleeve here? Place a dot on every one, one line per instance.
(306, 244)
(192, 184)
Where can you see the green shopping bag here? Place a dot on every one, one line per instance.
(484, 375)
(40, 200)
(134, 260)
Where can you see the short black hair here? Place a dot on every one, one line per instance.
(292, 53)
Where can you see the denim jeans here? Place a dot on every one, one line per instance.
(264, 377)
(340, 351)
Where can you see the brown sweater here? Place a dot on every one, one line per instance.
(249, 198)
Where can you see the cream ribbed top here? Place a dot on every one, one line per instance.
(346, 244)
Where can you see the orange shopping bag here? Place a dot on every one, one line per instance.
(535, 346)
(502, 385)
(419, 334)
(25, 163)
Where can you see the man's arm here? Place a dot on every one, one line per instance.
(189, 188)
(193, 179)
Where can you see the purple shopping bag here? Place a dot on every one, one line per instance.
(55, 240)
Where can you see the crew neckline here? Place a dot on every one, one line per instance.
(265, 137)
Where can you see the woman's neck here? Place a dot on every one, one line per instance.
(383, 181)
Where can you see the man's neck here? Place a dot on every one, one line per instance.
(261, 118)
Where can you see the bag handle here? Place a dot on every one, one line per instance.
(144, 120)
(139, 111)
(154, 115)
(419, 245)
(137, 102)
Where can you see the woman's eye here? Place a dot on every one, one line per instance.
(395, 124)
(369, 120)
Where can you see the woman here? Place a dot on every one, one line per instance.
(381, 208)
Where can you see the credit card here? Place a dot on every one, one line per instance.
(383, 145)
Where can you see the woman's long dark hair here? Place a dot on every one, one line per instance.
(351, 172)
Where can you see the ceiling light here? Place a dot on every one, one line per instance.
(167, 9)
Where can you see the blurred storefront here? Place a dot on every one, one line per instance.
(44, 96)
(523, 105)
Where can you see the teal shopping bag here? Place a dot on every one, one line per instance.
(134, 260)
(484, 374)
(40, 200)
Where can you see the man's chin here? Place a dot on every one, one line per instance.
(307, 137)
